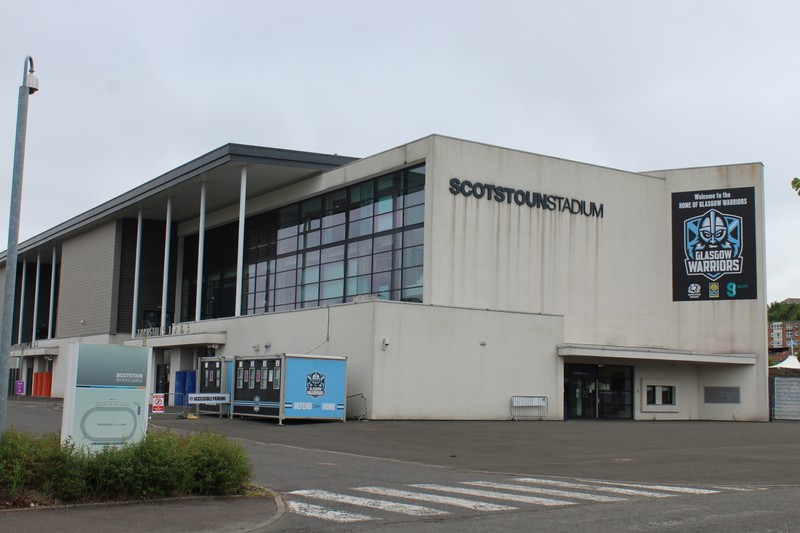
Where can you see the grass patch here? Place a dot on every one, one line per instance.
(38, 470)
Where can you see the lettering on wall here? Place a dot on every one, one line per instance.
(520, 197)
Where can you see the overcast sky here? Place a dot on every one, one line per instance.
(130, 90)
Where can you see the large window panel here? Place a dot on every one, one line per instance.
(298, 256)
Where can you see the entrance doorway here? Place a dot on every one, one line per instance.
(598, 391)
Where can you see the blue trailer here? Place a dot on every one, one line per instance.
(290, 387)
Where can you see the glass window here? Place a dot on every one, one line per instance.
(360, 228)
(385, 204)
(287, 263)
(308, 275)
(286, 246)
(312, 258)
(359, 212)
(334, 253)
(332, 271)
(332, 289)
(284, 296)
(359, 248)
(412, 295)
(359, 266)
(413, 256)
(660, 395)
(413, 237)
(308, 240)
(298, 255)
(381, 284)
(359, 285)
(415, 215)
(412, 277)
(334, 234)
(667, 395)
(285, 279)
(414, 198)
(386, 243)
(383, 222)
(382, 262)
(309, 292)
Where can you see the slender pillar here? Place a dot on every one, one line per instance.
(21, 303)
(201, 243)
(36, 295)
(240, 245)
(51, 318)
(165, 279)
(136, 270)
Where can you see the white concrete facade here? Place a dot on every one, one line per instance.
(512, 295)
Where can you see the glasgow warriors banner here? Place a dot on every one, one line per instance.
(714, 245)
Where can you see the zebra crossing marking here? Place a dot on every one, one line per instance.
(572, 485)
(316, 511)
(493, 494)
(549, 492)
(667, 488)
(481, 489)
(383, 505)
(435, 498)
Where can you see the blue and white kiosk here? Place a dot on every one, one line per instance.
(289, 386)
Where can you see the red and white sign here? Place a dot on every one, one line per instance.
(158, 403)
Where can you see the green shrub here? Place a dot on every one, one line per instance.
(39, 469)
(217, 465)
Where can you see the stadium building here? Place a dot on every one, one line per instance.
(453, 275)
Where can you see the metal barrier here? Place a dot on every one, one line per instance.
(529, 406)
(356, 408)
(172, 404)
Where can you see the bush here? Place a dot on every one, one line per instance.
(38, 469)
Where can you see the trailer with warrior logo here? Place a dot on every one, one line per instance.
(290, 387)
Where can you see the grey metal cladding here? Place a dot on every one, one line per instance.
(86, 293)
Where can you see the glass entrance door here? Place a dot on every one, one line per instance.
(598, 391)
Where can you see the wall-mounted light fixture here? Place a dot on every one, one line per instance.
(385, 343)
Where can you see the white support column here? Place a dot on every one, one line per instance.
(136, 269)
(51, 317)
(240, 245)
(21, 303)
(179, 314)
(201, 243)
(36, 295)
(165, 280)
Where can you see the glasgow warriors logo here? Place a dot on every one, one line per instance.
(713, 245)
(315, 384)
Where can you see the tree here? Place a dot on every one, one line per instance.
(783, 312)
(796, 185)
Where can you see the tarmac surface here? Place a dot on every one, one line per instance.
(677, 452)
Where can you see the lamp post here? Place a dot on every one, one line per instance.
(30, 84)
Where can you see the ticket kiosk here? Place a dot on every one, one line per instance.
(215, 377)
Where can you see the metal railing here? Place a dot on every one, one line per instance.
(528, 406)
(356, 407)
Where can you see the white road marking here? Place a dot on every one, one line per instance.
(549, 492)
(493, 494)
(404, 508)
(435, 498)
(315, 511)
(570, 485)
(667, 488)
